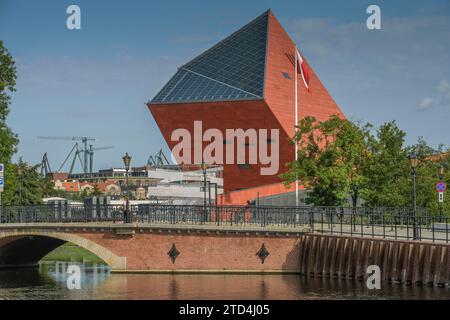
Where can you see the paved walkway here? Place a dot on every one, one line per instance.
(395, 232)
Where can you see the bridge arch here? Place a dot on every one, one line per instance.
(23, 247)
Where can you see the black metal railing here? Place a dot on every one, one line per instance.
(397, 223)
(394, 223)
(186, 214)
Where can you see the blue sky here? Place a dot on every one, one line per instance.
(95, 81)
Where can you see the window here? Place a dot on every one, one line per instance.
(286, 75)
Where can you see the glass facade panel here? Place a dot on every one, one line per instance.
(233, 69)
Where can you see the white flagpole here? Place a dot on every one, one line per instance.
(295, 125)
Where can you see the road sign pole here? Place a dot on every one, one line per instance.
(441, 206)
(440, 188)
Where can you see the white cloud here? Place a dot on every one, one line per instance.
(426, 103)
(441, 97)
(443, 86)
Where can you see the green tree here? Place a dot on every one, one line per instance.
(332, 156)
(8, 140)
(426, 177)
(387, 167)
(25, 188)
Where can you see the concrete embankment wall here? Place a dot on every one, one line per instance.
(399, 261)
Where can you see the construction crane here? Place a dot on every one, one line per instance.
(159, 159)
(91, 155)
(76, 156)
(45, 166)
(85, 151)
(88, 153)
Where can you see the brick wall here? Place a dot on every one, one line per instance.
(202, 251)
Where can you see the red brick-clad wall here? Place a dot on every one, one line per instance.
(280, 93)
(223, 115)
(202, 252)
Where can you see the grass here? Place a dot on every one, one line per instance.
(73, 253)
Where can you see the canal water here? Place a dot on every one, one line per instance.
(50, 281)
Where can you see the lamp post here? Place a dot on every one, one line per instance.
(204, 168)
(414, 163)
(126, 161)
(441, 204)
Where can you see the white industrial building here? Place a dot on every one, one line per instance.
(184, 185)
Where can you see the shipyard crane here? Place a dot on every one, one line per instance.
(91, 155)
(85, 151)
(45, 166)
(159, 159)
(75, 153)
(87, 162)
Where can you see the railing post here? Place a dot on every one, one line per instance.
(321, 220)
(395, 228)
(265, 218)
(446, 230)
(407, 228)
(373, 230)
(331, 220)
(432, 227)
(362, 225)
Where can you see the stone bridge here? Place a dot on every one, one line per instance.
(167, 248)
(158, 248)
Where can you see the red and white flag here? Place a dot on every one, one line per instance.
(303, 69)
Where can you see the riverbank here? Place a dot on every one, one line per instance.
(70, 252)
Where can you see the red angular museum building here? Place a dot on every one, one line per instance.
(244, 81)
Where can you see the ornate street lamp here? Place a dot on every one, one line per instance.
(414, 162)
(126, 161)
(441, 205)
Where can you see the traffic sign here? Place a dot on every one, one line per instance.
(441, 197)
(2, 184)
(441, 186)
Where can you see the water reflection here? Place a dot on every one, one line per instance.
(92, 274)
(97, 282)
